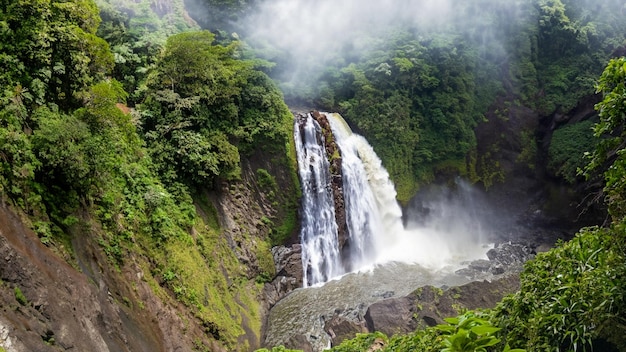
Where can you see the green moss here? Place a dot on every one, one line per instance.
(266, 181)
(283, 232)
(211, 218)
(19, 296)
(265, 259)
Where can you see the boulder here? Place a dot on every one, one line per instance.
(392, 316)
(289, 276)
(288, 261)
(428, 305)
(504, 259)
(340, 328)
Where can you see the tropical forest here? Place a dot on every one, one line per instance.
(291, 175)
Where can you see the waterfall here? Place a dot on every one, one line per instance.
(373, 218)
(370, 196)
(369, 210)
(320, 249)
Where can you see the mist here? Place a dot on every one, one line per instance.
(304, 36)
(307, 27)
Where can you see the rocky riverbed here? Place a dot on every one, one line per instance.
(392, 298)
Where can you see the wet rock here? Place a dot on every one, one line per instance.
(480, 265)
(288, 261)
(512, 255)
(340, 328)
(505, 258)
(392, 316)
(386, 294)
(428, 305)
(278, 288)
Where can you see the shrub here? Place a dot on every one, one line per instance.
(570, 297)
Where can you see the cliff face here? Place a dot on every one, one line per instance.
(49, 304)
(86, 302)
(513, 159)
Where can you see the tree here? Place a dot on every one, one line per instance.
(203, 106)
(50, 47)
(610, 154)
(81, 152)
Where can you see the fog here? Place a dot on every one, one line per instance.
(302, 36)
(305, 27)
(307, 31)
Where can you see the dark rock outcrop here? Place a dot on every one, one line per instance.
(289, 274)
(288, 261)
(340, 328)
(392, 316)
(503, 258)
(428, 306)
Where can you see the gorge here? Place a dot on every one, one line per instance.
(373, 256)
(157, 193)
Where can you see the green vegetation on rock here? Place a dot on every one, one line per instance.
(567, 149)
(417, 92)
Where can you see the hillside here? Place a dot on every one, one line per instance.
(140, 193)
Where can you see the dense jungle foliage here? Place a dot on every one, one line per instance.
(417, 93)
(112, 122)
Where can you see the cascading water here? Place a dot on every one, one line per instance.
(320, 249)
(369, 196)
(376, 234)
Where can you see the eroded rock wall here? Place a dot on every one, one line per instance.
(86, 302)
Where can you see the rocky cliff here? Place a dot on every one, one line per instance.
(72, 296)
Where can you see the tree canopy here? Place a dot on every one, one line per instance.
(50, 48)
(202, 106)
